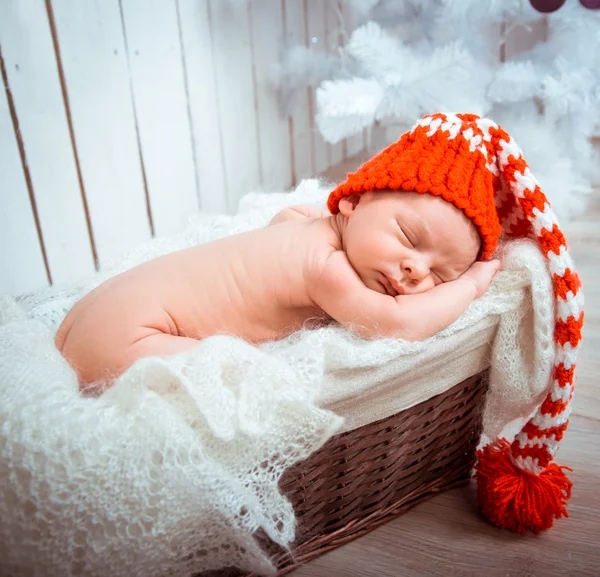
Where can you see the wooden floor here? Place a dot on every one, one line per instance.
(447, 536)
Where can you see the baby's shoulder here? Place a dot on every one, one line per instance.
(322, 246)
(334, 266)
(332, 273)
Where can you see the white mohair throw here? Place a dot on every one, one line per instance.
(173, 469)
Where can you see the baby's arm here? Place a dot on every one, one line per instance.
(340, 292)
(298, 212)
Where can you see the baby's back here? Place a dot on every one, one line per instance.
(251, 285)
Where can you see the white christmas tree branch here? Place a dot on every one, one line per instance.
(345, 107)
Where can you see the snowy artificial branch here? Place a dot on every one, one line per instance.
(405, 58)
(346, 107)
(403, 84)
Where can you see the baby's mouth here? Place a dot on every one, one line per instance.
(392, 288)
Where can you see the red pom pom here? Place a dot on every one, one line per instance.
(515, 499)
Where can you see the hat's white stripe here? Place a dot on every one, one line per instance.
(567, 355)
(559, 393)
(571, 305)
(546, 219)
(559, 263)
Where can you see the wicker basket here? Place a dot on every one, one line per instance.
(363, 478)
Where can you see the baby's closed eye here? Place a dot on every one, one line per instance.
(407, 235)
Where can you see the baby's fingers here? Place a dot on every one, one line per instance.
(481, 274)
(494, 264)
(486, 265)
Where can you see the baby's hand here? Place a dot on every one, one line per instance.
(481, 274)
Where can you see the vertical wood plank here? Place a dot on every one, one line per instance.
(522, 38)
(22, 266)
(493, 37)
(355, 144)
(316, 42)
(273, 130)
(332, 43)
(161, 107)
(236, 99)
(195, 26)
(295, 33)
(35, 86)
(92, 53)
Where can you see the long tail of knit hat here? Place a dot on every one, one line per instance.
(473, 163)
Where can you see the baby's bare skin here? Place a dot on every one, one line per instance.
(264, 285)
(251, 285)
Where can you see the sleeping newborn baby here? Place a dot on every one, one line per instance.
(384, 261)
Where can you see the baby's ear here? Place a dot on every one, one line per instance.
(348, 204)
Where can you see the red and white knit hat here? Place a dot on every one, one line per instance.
(474, 164)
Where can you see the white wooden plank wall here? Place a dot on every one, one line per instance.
(316, 36)
(121, 118)
(92, 57)
(18, 233)
(334, 24)
(35, 92)
(273, 134)
(300, 127)
(356, 143)
(160, 102)
(197, 52)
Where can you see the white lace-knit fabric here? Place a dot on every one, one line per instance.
(172, 470)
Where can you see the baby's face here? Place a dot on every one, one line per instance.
(405, 242)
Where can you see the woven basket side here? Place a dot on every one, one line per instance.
(360, 472)
(363, 478)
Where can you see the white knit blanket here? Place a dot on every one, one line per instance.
(171, 471)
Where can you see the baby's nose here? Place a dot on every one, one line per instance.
(415, 270)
